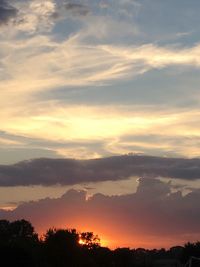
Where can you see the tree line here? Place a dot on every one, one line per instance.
(21, 246)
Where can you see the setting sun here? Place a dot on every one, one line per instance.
(81, 241)
(99, 132)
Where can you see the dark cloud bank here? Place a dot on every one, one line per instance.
(153, 214)
(7, 12)
(70, 171)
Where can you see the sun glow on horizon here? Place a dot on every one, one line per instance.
(81, 241)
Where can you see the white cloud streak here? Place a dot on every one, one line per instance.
(39, 62)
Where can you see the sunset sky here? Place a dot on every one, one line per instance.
(88, 79)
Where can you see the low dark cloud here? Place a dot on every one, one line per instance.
(70, 171)
(154, 214)
(7, 12)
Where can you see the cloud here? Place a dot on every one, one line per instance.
(42, 55)
(7, 12)
(154, 216)
(35, 16)
(77, 9)
(70, 171)
(75, 62)
(85, 131)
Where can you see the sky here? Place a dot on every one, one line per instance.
(97, 79)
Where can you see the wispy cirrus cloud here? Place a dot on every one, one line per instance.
(74, 62)
(39, 59)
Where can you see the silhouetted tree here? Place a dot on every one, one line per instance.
(103, 257)
(191, 249)
(62, 247)
(4, 232)
(18, 241)
(20, 247)
(123, 257)
(89, 240)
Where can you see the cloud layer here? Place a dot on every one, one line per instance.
(7, 12)
(88, 79)
(151, 217)
(78, 77)
(70, 171)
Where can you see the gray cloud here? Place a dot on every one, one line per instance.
(152, 212)
(45, 171)
(77, 9)
(7, 12)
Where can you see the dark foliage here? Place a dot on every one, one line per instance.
(21, 247)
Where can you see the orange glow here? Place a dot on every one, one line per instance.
(8, 208)
(113, 239)
(81, 242)
(112, 232)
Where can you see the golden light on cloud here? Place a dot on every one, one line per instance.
(72, 63)
(100, 80)
(83, 124)
(6, 141)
